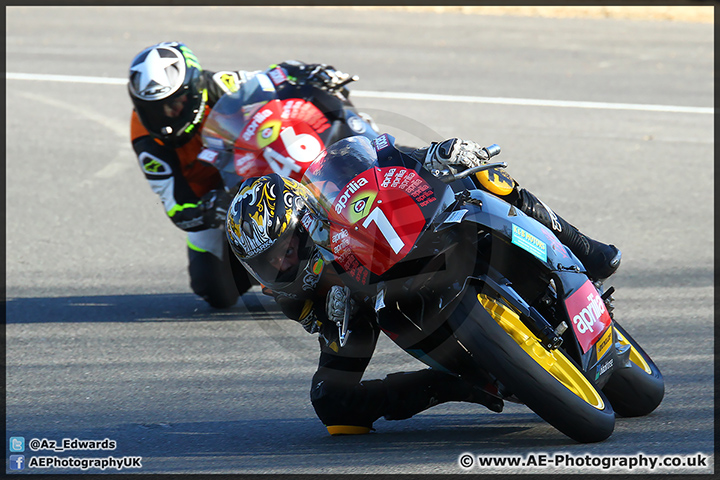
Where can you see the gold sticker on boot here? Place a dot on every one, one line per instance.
(496, 181)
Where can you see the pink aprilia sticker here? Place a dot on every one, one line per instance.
(589, 316)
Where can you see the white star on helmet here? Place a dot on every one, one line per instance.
(154, 83)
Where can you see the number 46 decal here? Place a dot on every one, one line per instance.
(301, 148)
(386, 228)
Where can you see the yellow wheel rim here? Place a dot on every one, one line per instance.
(554, 362)
(635, 356)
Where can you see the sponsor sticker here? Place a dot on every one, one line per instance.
(529, 242)
(456, 216)
(277, 75)
(208, 155)
(257, 120)
(265, 83)
(307, 221)
(351, 188)
(244, 163)
(312, 273)
(228, 81)
(604, 343)
(588, 314)
(380, 300)
(604, 368)
(381, 142)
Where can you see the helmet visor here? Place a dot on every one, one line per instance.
(279, 265)
(343, 161)
(170, 116)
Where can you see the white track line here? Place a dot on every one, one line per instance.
(416, 96)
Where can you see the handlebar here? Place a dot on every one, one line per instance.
(339, 86)
(492, 150)
(450, 177)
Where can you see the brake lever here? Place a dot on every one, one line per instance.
(339, 86)
(448, 176)
(343, 331)
(340, 297)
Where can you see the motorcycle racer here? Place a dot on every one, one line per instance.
(281, 255)
(172, 96)
(269, 232)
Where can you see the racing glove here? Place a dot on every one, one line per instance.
(454, 154)
(318, 75)
(214, 205)
(338, 301)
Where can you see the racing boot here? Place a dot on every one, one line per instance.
(599, 259)
(411, 393)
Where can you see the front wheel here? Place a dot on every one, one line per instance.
(547, 381)
(637, 389)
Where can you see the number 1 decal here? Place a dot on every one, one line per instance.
(386, 228)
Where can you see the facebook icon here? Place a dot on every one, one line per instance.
(17, 462)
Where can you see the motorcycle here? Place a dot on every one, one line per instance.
(261, 129)
(268, 126)
(468, 284)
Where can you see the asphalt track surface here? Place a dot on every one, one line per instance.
(608, 121)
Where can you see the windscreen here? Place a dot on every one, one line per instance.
(335, 168)
(233, 111)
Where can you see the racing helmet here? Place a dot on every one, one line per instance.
(268, 226)
(167, 91)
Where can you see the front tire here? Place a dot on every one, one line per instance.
(548, 382)
(638, 389)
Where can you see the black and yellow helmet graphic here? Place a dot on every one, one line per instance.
(264, 223)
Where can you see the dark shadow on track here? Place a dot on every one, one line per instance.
(176, 307)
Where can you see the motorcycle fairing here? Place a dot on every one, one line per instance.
(587, 312)
(519, 229)
(377, 215)
(429, 338)
(260, 129)
(494, 215)
(282, 136)
(597, 358)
